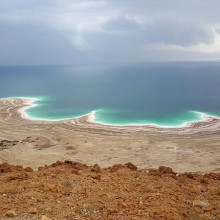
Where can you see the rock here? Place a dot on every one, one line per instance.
(154, 172)
(44, 217)
(58, 163)
(20, 176)
(131, 166)
(166, 170)
(214, 176)
(33, 211)
(76, 165)
(97, 177)
(10, 214)
(115, 167)
(28, 169)
(202, 204)
(203, 181)
(5, 168)
(91, 207)
(124, 205)
(208, 209)
(96, 168)
(74, 171)
(52, 187)
(168, 216)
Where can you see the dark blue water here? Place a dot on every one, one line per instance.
(159, 93)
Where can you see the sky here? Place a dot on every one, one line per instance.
(78, 32)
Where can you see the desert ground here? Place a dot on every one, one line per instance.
(74, 191)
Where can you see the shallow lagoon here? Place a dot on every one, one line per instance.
(165, 94)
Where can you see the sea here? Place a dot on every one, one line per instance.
(163, 94)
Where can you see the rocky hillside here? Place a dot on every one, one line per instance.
(69, 190)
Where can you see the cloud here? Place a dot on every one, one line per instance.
(173, 32)
(80, 42)
(101, 30)
(210, 47)
(217, 31)
(122, 24)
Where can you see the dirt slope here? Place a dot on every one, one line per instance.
(76, 191)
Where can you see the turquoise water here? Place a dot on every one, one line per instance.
(107, 117)
(165, 94)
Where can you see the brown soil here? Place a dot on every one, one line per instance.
(71, 190)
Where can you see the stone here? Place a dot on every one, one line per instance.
(91, 207)
(44, 217)
(124, 205)
(33, 210)
(207, 209)
(166, 170)
(10, 214)
(28, 169)
(202, 204)
(97, 177)
(131, 166)
(96, 168)
(52, 187)
(168, 216)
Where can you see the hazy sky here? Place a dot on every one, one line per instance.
(108, 31)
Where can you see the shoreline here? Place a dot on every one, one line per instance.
(29, 102)
(204, 117)
(34, 142)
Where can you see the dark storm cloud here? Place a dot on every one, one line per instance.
(172, 32)
(121, 24)
(96, 31)
(34, 44)
(162, 31)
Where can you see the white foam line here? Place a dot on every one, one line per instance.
(203, 117)
(92, 118)
(206, 116)
(30, 104)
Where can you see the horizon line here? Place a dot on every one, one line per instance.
(115, 63)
